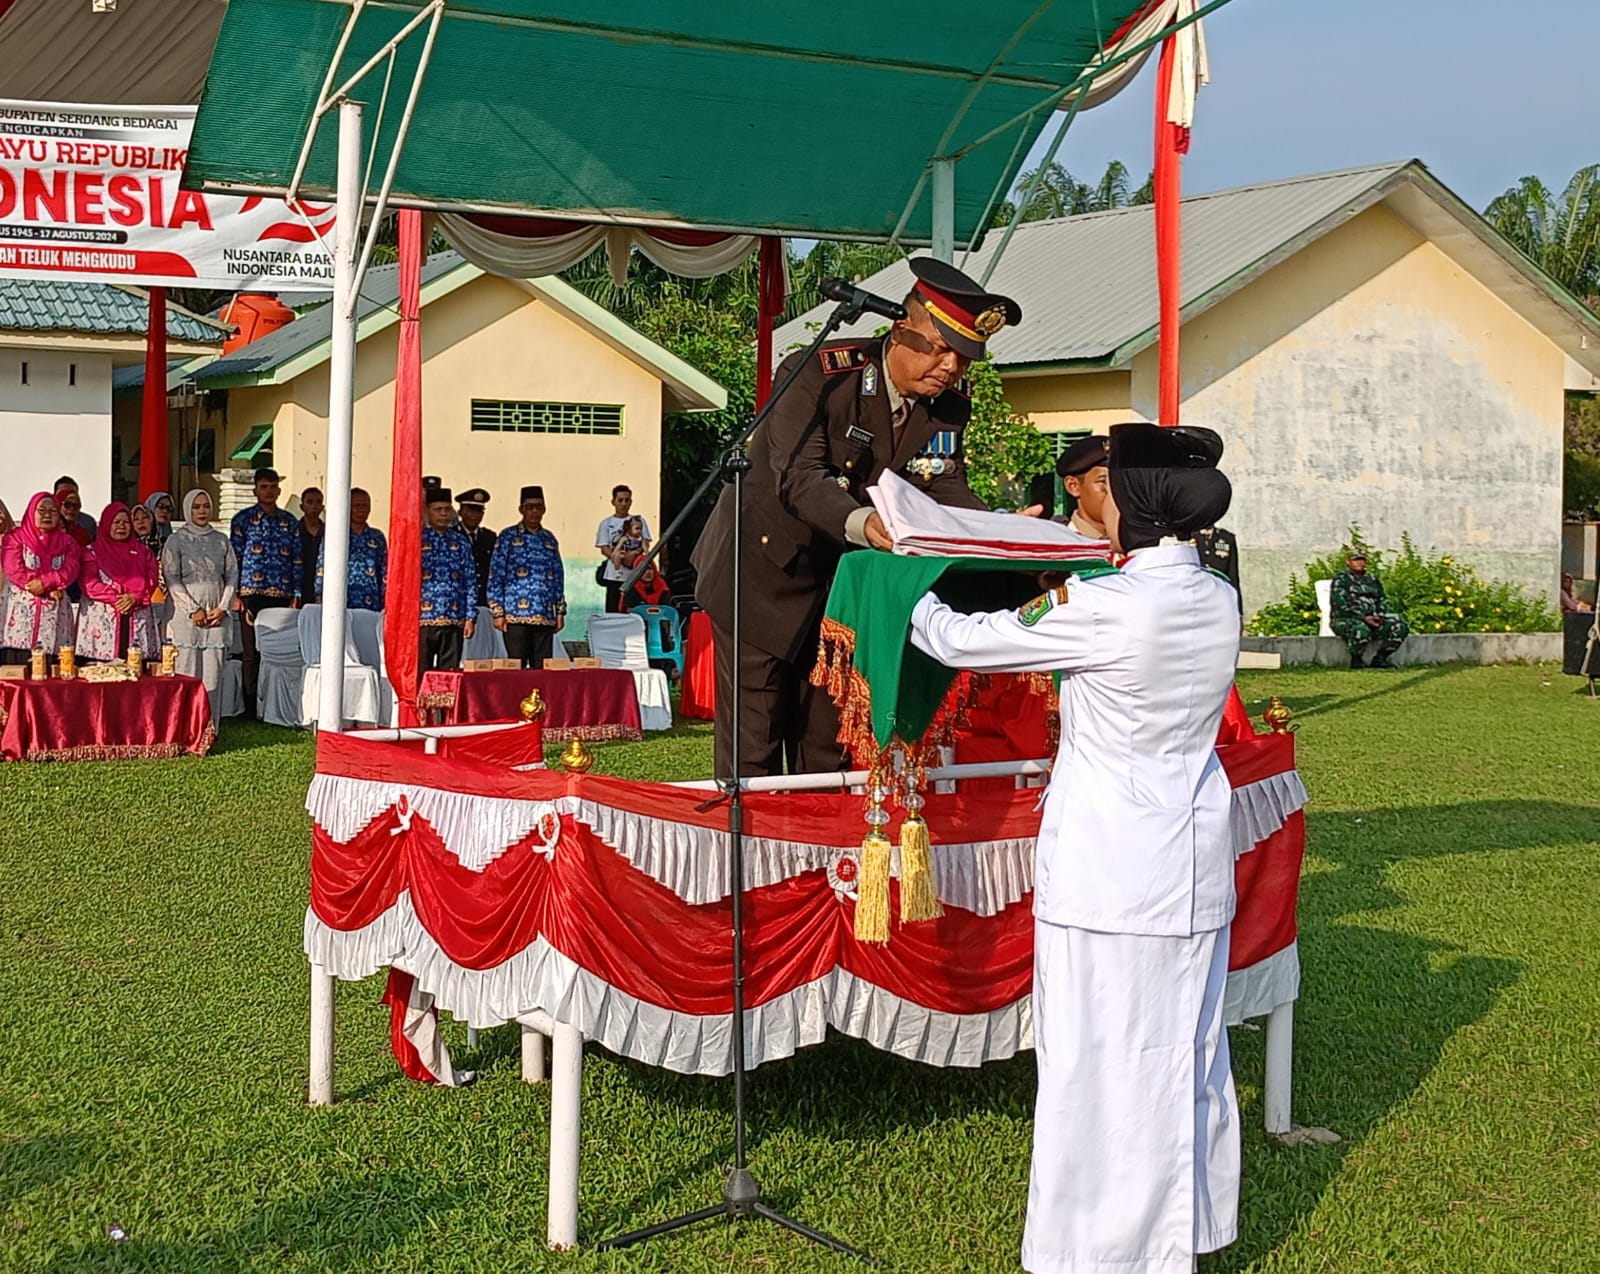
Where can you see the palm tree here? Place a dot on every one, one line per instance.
(1059, 194)
(1562, 236)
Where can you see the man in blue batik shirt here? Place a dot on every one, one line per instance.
(449, 587)
(527, 585)
(369, 557)
(266, 541)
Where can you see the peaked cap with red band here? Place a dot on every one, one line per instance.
(964, 314)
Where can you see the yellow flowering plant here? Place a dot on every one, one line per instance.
(1434, 592)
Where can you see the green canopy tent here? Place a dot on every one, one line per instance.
(876, 122)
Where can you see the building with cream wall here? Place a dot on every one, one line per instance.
(487, 341)
(1370, 350)
(60, 346)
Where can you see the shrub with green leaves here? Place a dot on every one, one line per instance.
(1435, 593)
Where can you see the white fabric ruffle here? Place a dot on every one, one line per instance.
(983, 877)
(1261, 808)
(542, 978)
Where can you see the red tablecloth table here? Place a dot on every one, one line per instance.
(699, 670)
(591, 703)
(104, 721)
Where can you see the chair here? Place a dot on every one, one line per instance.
(663, 634)
(362, 702)
(618, 641)
(280, 682)
(1325, 608)
(487, 641)
(365, 627)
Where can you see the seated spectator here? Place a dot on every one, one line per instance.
(120, 578)
(41, 561)
(1569, 603)
(1358, 613)
(649, 590)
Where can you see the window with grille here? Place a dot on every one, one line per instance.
(496, 415)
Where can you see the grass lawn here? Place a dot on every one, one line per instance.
(153, 1003)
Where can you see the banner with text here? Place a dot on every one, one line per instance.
(92, 193)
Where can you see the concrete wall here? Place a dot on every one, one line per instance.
(488, 339)
(58, 423)
(1370, 380)
(1090, 400)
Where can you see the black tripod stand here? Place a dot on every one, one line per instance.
(741, 1196)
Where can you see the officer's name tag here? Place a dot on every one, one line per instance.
(856, 434)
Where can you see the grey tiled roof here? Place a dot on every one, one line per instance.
(96, 309)
(1087, 284)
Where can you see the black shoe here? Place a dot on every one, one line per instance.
(1382, 661)
(1355, 662)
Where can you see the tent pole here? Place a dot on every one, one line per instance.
(1169, 215)
(341, 412)
(944, 210)
(153, 471)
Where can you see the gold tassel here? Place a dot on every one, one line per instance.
(919, 900)
(872, 889)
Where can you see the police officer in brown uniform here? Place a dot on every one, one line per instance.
(857, 408)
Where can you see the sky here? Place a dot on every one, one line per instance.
(1483, 93)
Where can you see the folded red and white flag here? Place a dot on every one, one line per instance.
(921, 527)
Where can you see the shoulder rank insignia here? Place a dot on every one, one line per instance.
(1042, 605)
(843, 358)
(869, 381)
(962, 387)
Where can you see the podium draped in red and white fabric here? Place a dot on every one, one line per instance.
(605, 903)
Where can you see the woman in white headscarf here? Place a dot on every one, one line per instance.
(202, 576)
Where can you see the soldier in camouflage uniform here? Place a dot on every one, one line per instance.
(1358, 614)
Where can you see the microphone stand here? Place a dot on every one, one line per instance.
(741, 1196)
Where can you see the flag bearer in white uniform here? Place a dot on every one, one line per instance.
(1136, 1130)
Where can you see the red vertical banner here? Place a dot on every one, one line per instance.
(403, 607)
(153, 473)
(1172, 140)
(772, 292)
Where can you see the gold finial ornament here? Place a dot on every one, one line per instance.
(1278, 715)
(576, 758)
(533, 705)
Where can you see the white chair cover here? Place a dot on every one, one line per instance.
(311, 636)
(230, 693)
(278, 687)
(617, 641)
(486, 642)
(1325, 608)
(363, 704)
(655, 698)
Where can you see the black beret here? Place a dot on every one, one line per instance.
(1083, 455)
(1146, 446)
(436, 495)
(531, 493)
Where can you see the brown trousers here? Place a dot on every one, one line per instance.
(783, 720)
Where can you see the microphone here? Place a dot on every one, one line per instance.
(858, 302)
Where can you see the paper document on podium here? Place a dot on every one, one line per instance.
(921, 527)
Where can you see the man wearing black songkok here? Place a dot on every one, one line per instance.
(1133, 882)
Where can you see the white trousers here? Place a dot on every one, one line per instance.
(1136, 1130)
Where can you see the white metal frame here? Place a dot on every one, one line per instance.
(566, 1071)
(349, 270)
